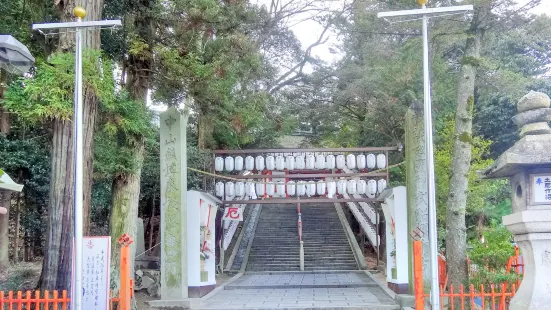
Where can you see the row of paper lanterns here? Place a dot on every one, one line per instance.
(300, 188)
(310, 162)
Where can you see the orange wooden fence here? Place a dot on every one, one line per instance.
(494, 297)
(38, 301)
(481, 299)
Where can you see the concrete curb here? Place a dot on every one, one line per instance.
(305, 272)
(283, 287)
(221, 287)
(382, 285)
(360, 259)
(251, 240)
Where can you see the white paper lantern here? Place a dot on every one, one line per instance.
(239, 189)
(299, 162)
(249, 163)
(238, 163)
(351, 187)
(280, 162)
(229, 163)
(310, 162)
(219, 189)
(280, 189)
(360, 161)
(310, 189)
(371, 188)
(341, 162)
(320, 188)
(320, 162)
(351, 161)
(301, 188)
(381, 161)
(341, 187)
(291, 188)
(260, 190)
(219, 164)
(361, 187)
(370, 161)
(270, 162)
(381, 185)
(259, 163)
(330, 162)
(331, 189)
(249, 190)
(270, 189)
(290, 162)
(230, 189)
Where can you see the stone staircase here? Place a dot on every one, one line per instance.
(276, 246)
(326, 246)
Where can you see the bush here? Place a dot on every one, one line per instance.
(491, 257)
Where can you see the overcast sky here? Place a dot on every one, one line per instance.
(308, 31)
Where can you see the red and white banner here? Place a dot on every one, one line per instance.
(233, 213)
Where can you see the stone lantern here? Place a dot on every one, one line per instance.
(527, 164)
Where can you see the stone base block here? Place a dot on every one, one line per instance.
(399, 288)
(532, 231)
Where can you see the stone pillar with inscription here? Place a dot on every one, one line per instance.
(174, 256)
(527, 164)
(416, 185)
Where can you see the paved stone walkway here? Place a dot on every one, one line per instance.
(343, 290)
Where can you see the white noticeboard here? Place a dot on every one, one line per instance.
(541, 188)
(96, 258)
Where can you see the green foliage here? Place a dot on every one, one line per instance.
(25, 157)
(483, 195)
(491, 257)
(49, 94)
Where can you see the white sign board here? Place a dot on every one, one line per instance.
(541, 188)
(233, 213)
(96, 259)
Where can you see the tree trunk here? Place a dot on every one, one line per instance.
(456, 231)
(124, 215)
(91, 40)
(56, 268)
(5, 196)
(5, 202)
(205, 128)
(151, 223)
(17, 228)
(89, 117)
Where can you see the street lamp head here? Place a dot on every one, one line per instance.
(79, 12)
(422, 2)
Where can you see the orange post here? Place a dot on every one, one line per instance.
(418, 288)
(64, 300)
(19, 300)
(125, 281)
(55, 300)
(46, 300)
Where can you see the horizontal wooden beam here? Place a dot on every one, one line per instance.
(295, 200)
(308, 176)
(318, 150)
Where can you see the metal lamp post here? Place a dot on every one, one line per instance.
(433, 241)
(78, 26)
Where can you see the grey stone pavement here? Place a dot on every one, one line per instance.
(342, 290)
